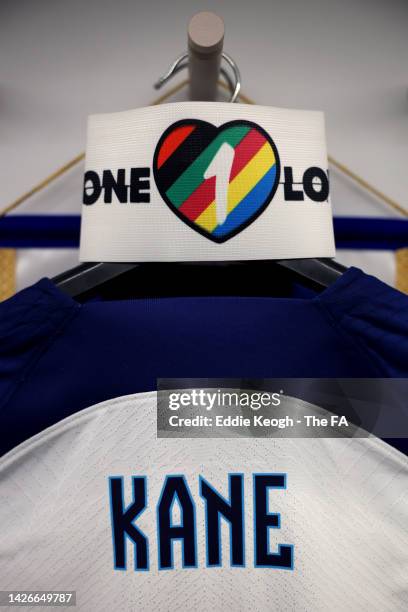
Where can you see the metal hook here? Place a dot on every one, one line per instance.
(182, 62)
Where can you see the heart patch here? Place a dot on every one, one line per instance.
(216, 180)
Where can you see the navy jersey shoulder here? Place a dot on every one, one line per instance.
(58, 357)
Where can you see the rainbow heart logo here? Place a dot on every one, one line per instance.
(216, 180)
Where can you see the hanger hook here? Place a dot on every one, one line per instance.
(182, 62)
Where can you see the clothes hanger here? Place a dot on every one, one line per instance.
(204, 62)
(173, 279)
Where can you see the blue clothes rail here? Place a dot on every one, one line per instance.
(62, 231)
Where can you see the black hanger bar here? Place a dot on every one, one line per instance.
(321, 271)
(195, 278)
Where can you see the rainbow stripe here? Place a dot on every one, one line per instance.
(252, 178)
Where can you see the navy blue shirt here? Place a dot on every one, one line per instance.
(58, 357)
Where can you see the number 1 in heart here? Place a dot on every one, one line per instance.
(220, 167)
